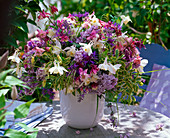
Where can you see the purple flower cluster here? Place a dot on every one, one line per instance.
(48, 92)
(106, 82)
(89, 34)
(80, 15)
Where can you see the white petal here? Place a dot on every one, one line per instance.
(144, 62)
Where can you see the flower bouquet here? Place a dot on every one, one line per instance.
(80, 55)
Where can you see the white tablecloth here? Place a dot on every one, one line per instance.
(141, 126)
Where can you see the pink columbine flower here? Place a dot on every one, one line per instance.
(53, 9)
(43, 15)
(64, 38)
(83, 74)
(41, 34)
(38, 51)
(94, 69)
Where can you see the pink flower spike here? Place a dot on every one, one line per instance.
(53, 9)
(43, 15)
(78, 132)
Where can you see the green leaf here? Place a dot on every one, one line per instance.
(33, 135)
(20, 34)
(11, 41)
(2, 123)
(4, 74)
(28, 129)
(2, 99)
(13, 81)
(22, 110)
(11, 133)
(3, 91)
(32, 22)
(34, 6)
(117, 53)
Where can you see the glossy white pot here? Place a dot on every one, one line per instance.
(81, 115)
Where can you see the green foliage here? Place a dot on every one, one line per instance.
(18, 30)
(22, 110)
(6, 84)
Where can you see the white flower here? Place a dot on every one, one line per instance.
(70, 89)
(94, 78)
(122, 37)
(87, 47)
(95, 21)
(108, 66)
(143, 63)
(104, 66)
(56, 49)
(57, 69)
(19, 70)
(71, 51)
(14, 57)
(114, 68)
(51, 33)
(99, 44)
(125, 19)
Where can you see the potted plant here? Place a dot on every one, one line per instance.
(86, 59)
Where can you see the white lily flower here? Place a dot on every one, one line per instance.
(125, 19)
(143, 63)
(104, 66)
(57, 69)
(71, 51)
(87, 47)
(14, 57)
(114, 68)
(56, 49)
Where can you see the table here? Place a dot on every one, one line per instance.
(141, 126)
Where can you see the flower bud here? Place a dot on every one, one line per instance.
(14, 93)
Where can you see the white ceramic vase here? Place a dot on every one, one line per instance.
(81, 115)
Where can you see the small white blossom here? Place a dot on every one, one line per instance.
(57, 49)
(57, 69)
(125, 19)
(51, 33)
(143, 63)
(71, 51)
(87, 47)
(108, 66)
(14, 57)
(104, 66)
(114, 68)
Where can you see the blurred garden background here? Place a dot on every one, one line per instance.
(150, 18)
